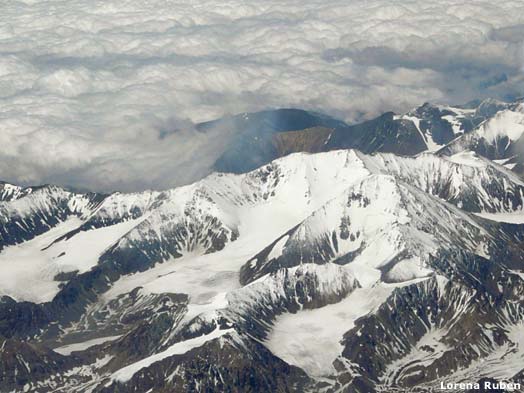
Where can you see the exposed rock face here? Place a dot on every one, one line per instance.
(265, 136)
(225, 364)
(22, 363)
(310, 140)
(434, 328)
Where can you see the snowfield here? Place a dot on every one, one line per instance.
(37, 262)
(127, 372)
(311, 339)
(511, 218)
(294, 252)
(82, 346)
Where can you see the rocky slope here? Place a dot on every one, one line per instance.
(264, 136)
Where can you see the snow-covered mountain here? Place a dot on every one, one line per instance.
(265, 136)
(338, 271)
(500, 138)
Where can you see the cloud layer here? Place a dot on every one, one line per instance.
(91, 90)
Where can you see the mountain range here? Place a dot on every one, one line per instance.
(386, 256)
(265, 136)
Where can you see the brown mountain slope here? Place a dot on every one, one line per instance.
(311, 140)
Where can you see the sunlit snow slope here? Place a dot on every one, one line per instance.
(335, 271)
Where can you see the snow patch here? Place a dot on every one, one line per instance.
(311, 339)
(468, 158)
(36, 262)
(82, 346)
(508, 123)
(511, 218)
(126, 373)
(277, 249)
(408, 269)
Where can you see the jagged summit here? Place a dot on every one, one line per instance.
(264, 136)
(499, 138)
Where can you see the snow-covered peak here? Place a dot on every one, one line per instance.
(474, 186)
(9, 192)
(375, 225)
(438, 124)
(119, 207)
(507, 123)
(295, 200)
(45, 199)
(500, 138)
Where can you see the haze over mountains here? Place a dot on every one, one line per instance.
(89, 89)
(265, 136)
(260, 196)
(323, 257)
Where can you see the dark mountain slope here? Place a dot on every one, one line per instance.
(264, 136)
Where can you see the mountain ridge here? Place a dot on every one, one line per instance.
(403, 267)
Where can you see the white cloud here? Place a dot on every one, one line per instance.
(87, 86)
